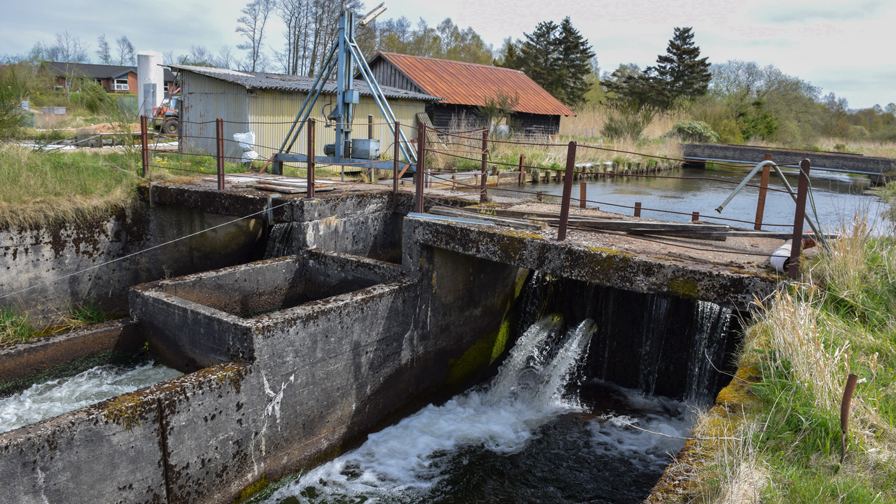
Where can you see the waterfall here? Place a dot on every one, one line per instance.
(280, 241)
(404, 462)
(711, 322)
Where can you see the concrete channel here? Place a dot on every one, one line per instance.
(292, 359)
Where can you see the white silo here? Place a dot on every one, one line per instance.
(149, 73)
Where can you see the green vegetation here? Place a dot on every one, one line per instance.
(783, 437)
(15, 327)
(695, 131)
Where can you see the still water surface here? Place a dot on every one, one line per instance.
(838, 198)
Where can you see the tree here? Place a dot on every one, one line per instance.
(126, 53)
(67, 49)
(575, 57)
(103, 51)
(891, 108)
(681, 72)
(557, 57)
(251, 26)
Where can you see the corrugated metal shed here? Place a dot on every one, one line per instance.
(267, 104)
(470, 84)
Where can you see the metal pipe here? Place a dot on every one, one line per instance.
(796, 245)
(851, 382)
(395, 166)
(421, 168)
(793, 195)
(305, 104)
(567, 190)
(310, 174)
(219, 137)
(742, 184)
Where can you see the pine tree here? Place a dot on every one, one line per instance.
(557, 57)
(539, 57)
(575, 56)
(681, 71)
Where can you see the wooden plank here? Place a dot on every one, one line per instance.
(503, 221)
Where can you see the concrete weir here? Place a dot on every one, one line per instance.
(291, 359)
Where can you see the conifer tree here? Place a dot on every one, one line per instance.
(681, 72)
(575, 56)
(557, 57)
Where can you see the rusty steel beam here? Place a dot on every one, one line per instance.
(421, 167)
(395, 167)
(483, 196)
(310, 173)
(797, 243)
(219, 137)
(567, 190)
(763, 190)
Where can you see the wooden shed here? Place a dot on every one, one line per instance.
(465, 86)
(266, 104)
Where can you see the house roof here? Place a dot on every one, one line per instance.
(61, 69)
(260, 80)
(462, 83)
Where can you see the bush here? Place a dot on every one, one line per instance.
(695, 132)
(626, 121)
(12, 92)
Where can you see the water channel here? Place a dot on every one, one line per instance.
(838, 197)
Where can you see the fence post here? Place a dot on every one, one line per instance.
(637, 209)
(421, 167)
(583, 194)
(763, 189)
(309, 126)
(797, 243)
(567, 190)
(397, 135)
(522, 173)
(483, 196)
(695, 216)
(219, 136)
(144, 142)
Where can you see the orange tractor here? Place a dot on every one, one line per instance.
(165, 117)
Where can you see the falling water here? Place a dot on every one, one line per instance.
(521, 438)
(711, 320)
(55, 397)
(280, 241)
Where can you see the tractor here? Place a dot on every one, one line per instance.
(165, 117)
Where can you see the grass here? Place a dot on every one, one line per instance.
(17, 327)
(803, 343)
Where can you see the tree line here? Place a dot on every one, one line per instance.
(738, 100)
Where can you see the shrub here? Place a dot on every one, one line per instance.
(695, 132)
(626, 121)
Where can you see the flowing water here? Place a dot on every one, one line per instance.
(280, 241)
(55, 397)
(520, 438)
(838, 197)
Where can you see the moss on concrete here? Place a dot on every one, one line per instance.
(125, 411)
(253, 489)
(484, 352)
(683, 288)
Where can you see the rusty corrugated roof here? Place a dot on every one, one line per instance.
(471, 84)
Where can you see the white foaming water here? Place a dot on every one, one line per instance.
(406, 460)
(649, 441)
(55, 397)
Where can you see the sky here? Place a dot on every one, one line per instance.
(844, 47)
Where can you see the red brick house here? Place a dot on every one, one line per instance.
(114, 78)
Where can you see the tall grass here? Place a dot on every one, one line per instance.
(804, 342)
(40, 187)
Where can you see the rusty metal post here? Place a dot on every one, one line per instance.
(538, 195)
(219, 137)
(482, 194)
(144, 142)
(763, 189)
(797, 243)
(583, 194)
(695, 216)
(567, 190)
(851, 382)
(421, 167)
(637, 209)
(397, 135)
(522, 173)
(310, 128)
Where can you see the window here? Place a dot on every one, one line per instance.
(121, 85)
(166, 88)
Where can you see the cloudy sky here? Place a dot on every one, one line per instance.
(845, 47)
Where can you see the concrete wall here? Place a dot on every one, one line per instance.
(47, 270)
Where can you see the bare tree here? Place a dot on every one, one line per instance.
(103, 51)
(67, 49)
(168, 58)
(225, 58)
(126, 53)
(251, 26)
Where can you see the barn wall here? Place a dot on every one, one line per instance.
(204, 100)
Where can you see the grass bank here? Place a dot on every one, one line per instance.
(775, 435)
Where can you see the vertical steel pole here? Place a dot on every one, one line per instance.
(483, 197)
(219, 136)
(421, 167)
(567, 190)
(797, 243)
(144, 142)
(395, 144)
(583, 194)
(695, 216)
(637, 209)
(309, 128)
(763, 189)
(522, 173)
